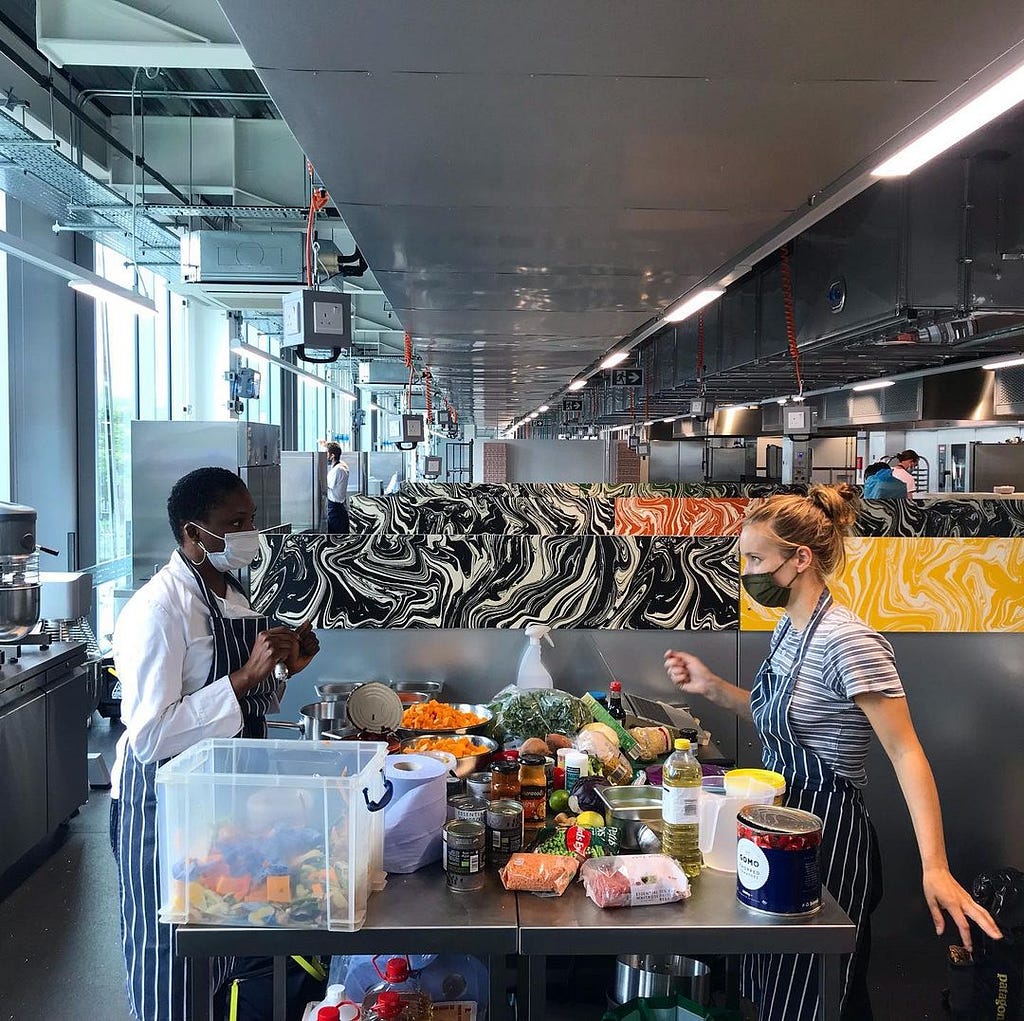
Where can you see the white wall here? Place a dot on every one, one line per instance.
(549, 460)
(205, 363)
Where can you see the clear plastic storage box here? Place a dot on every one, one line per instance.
(271, 833)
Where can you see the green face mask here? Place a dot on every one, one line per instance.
(764, 589)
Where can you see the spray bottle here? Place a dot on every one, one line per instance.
(532, 672)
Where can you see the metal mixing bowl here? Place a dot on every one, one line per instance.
(468, 763)
(466, 707)
(633, 809)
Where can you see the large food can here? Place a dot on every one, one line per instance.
(464, 844)
(467, 808)
(777, 867)
(504, 831)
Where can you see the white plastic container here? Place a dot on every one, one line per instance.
(283, 834)
(532, 672)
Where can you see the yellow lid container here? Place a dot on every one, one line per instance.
(734, 778)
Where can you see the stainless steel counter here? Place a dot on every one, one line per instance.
(417, 914)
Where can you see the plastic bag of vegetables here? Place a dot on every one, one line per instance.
(536, 712)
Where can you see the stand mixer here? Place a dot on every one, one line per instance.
(19, 572)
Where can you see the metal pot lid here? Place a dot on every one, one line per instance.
(375, 708)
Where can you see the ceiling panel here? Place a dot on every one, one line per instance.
(545, 176)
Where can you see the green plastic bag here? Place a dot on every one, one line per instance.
(669, 1008)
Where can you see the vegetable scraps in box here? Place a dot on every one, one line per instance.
(279, 878)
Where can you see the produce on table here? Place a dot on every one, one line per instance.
(534, 746)
(556, 741)
(634, 880)
(562, 820)
(604, 730)
(434, 715)
(559, 801)
(584, 795)
(614, 764)
(539, 873)
(652, 742)
(460, 747)
(589, 818)
(581, 842)
(536, 712)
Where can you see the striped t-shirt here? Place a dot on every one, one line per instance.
(845, 657)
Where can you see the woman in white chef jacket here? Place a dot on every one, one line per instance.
(194, 661)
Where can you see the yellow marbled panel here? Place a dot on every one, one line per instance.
(924, 585)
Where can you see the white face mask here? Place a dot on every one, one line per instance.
(240, 549)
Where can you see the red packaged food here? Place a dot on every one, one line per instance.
(626, 881)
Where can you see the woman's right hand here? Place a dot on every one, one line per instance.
(689, 674)
(271, 647)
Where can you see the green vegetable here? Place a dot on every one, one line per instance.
(537, 713)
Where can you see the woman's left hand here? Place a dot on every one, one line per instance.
(943, 892)
(306, 646)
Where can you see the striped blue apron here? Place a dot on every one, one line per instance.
(156, 978)
(785, 986)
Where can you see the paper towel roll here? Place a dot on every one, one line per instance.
(407, 772)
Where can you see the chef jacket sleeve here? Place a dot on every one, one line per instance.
(161, 719)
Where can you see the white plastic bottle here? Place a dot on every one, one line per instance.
(532, 672)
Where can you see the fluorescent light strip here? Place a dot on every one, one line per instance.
(543, 408)
(614, 359)
(577, 384)
(128, 300)
(1007, 364)
(996, 100)
(248, 351)
(694, 304)
(877, 384)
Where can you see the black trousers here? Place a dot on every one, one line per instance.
(337, 518)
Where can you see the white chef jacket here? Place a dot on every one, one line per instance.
(337, 482)
(163, 650)
(906, 478)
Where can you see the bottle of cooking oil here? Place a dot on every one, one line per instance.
(398, 997)
(681, 780)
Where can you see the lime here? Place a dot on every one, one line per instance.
(559, 801)
(590, 819)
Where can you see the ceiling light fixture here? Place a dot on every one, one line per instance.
(543, 408)
(667, 420)
(614, 359)
(244, 350)
(128, 301)
(577, 384)
(995, 100)
(876, 384)
(694, 304)
(781, 400)
(1007, 363)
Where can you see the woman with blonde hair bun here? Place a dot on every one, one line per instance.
(828, 683)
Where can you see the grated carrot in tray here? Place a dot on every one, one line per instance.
(434, 715)
(460, 747)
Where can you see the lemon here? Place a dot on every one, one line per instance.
(590, 819)
(559, 801)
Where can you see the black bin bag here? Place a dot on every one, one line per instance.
(986, 985)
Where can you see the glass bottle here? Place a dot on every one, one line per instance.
(533, 791)
(615, 710)
(505, 780)
(680, 833)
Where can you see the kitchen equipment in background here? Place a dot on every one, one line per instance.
(732, 464)
(19, 572)
(650, 975)
(304, 488)
(996, 464)
(162, 452)
(773, 462)
(318, 721)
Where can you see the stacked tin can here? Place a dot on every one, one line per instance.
(504, 831)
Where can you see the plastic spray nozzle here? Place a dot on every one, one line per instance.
(535, 632)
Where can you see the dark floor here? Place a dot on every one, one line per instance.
(60, 954)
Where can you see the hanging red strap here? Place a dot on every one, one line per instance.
(428, 386)
(787, 304)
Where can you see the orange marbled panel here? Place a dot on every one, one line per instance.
(678, 516)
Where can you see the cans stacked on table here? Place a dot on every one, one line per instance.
(504, 831)
(467, 808)
(464, 852)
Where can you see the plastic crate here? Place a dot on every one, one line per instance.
(271, 833)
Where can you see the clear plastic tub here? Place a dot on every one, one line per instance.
(284, 834)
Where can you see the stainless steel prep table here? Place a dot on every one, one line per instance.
(417, 914)
(711, 921)
(414, 914)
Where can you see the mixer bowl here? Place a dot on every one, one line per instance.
(19, 611)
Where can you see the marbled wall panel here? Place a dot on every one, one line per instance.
(666, 490)
(937, 585)
(387, 581)
(687, 516)
(943, 518)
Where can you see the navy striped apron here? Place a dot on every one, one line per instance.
(157, 979)
(785, 986)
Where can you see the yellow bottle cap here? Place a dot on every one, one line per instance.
(682, 744)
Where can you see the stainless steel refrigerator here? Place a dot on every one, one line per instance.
(997, 464)
(304, 488)
(162, 452)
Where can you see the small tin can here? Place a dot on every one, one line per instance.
(504, 831)
(456, 786)
(777, 869)
(468, 809)
(464, 844)
(479, 785)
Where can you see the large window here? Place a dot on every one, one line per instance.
(5, 364)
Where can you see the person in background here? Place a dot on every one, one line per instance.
(337, 491)
(195, 661)
(828, 683)
(879, 483)
(906, 462)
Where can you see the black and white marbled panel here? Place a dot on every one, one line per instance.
(489, 513)
(942, 519)
(598, 490)
(508, 581)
